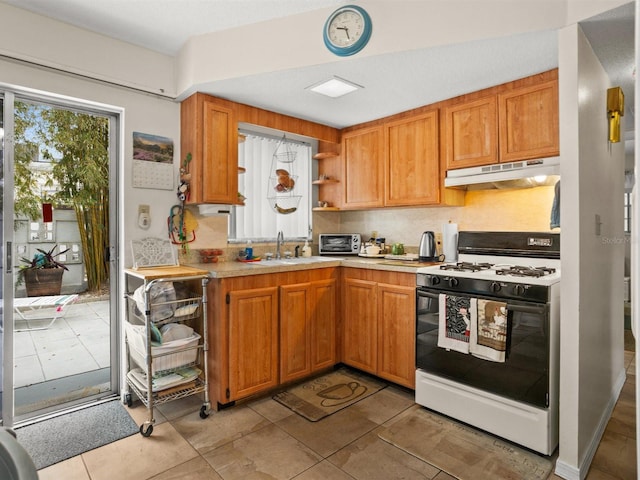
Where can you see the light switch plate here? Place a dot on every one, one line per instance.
(144, 218)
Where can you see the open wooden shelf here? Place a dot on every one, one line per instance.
(323, 155)
(325, 181)
(326, 209)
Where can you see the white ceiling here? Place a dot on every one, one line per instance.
(393, 83)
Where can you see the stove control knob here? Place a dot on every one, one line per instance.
(519, 289)
(453, 282)
(495, 287)
(434, 280)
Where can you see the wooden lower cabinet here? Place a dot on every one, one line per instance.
(396, 333)
(265, 330)
(307, 328)
(360, 326)
(379, 323)
(253, 341)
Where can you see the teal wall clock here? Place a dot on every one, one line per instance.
(347, 30)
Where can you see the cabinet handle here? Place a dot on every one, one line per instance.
(9, 257)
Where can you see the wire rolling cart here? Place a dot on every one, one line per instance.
(160, 373)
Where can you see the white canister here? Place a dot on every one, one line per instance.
(450, 242)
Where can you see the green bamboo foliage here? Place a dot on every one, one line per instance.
(77, 145)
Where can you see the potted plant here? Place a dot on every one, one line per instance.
(42, 275)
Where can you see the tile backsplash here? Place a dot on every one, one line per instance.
(486, 210)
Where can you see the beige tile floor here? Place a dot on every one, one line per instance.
(264, 440)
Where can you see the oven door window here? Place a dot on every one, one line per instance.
(524, 376)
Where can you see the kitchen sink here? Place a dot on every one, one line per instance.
(295, 261)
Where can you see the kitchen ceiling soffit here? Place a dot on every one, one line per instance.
(393, 82)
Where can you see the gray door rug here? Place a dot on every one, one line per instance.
(461, 451)
(322, 396)
(59, 438)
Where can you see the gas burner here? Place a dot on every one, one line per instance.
(466, 266)
(525, 271)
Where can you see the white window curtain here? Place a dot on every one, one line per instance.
(258, 220)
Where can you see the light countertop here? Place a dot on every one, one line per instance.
(241, 269)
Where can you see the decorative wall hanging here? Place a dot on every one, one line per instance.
(152, 162)
(282, 180)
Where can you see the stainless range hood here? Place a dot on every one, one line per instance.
(525, 174)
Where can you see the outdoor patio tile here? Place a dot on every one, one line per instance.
(23, 345)
(67, 358)
(58, 331)
(27, 371)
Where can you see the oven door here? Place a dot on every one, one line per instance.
(524, 375)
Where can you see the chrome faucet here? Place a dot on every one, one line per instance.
(279, 242)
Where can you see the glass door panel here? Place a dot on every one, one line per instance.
(64, 339)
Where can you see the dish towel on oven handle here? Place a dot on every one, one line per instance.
(454, 322)
(489, 331)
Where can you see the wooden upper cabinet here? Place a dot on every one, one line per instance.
(412, 170)
(470, 135)
(529, 122)
(363, 171)
(209, 132)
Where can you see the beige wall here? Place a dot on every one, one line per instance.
(142, 113)
(592, 370)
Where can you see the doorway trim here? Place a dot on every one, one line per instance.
(115, 115)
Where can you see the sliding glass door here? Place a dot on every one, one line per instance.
(59, 323)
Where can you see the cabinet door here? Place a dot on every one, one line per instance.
(295, 331)
(412, 161)
(220, 155)
(360, 324)
(362, 152)
(396, 339)
(253, 341)
(323, 324)
(529, 122)
(471, 133)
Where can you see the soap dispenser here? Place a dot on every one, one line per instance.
(306, 250)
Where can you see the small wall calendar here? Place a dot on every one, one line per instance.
(152, 162)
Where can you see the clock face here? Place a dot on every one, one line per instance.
(347, 30)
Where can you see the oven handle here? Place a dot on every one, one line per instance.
(511, 307)
(422, 293)
(526, 308)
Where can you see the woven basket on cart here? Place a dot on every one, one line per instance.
(41, 282)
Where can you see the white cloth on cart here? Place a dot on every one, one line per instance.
(175, 331)
(162, 297)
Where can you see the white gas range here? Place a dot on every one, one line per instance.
(513, 392)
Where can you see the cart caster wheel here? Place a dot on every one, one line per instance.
(203, 412)
(127, 400)
(147, 432)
